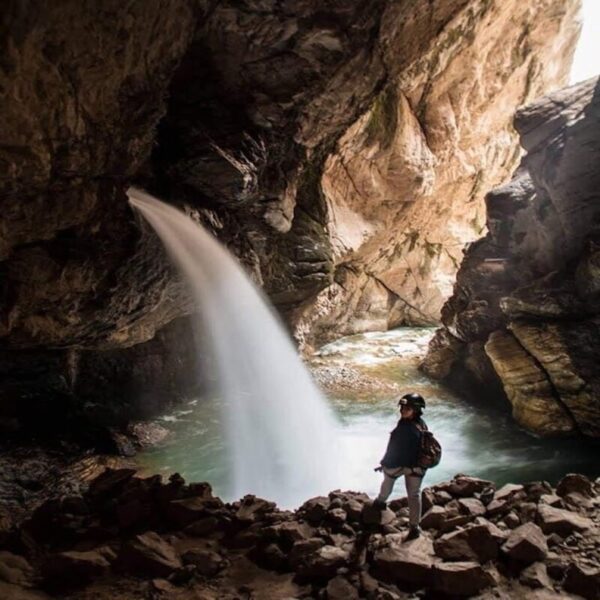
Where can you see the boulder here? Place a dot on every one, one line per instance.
(302, 549)
(322, 563)
(584, 581)
(109, 483)
(477, 542)
(471, 507)
(339, 588)
(409, 562)
(563, 522)
(253, 509)
(464, 486)
(202, 527)
(16, 569)
(10, 591)
(504, 498)
(149, 555)
(574, 482)
(186, 511)
(526, 543)
(207, 562)
(315, 509)
(535, 576)
(371, 515)
(72, 568)
(434, 517)
(460, 578)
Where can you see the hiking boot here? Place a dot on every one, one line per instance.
(413, 533)
(379, 504)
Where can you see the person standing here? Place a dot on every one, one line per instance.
(401, 458)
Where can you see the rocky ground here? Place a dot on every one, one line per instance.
(131, 537)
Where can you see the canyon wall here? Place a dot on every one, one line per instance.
(525, 314)
(255, 117)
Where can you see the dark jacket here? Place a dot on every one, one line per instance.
(403, 447)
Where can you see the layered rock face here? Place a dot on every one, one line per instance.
(527, 297)
(235, 110)
(405, 184)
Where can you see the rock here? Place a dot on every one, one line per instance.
(526, 543)
(202, 527)
(434, 517)
(16, 569)
(339, 588)
(371, 515)
(315, 509)
(322, 563)
(583, 581)
(109, 483)
(471, 507)
(464, 486)
(556, 565)
(207, 562)
(474, 543)
(575, 483)
(504, 498)
(149, 555)
(271, 557)
(563, 522)
(512, 520)
(189, 510)
(551, 500)
(73, 568)
(15, 592)
(302, 549)
(460, 578)
(535, 576)
(410, 562)
(253, 509)
(337, 516)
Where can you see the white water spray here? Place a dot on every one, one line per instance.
(280, 432)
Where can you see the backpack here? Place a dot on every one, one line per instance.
(430, 452)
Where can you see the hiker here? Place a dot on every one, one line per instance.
(401, 458)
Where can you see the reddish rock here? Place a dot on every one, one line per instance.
(504, 498)
(16, 569)
(253, 509)
(410, 562)
(74, 568)
(563, 522)
(315, 509)
(460, 578)
(476, 542)
(302, 549)
(584, 581)
(526, 543)
(322, 563)
(339, 588)
(149, 555)
(464, 486)
(189, 510)
(207, 562)
(573, 482)
(471, 507)
(535, 576)
(434, 517)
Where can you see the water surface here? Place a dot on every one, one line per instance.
(480, 441)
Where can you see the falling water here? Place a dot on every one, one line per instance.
(279, 430)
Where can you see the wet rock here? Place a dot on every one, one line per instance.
(202, 527)
(339, 588)
(372, 515)
(476, 542)
(526, 543)
(574, 482)
(315, 509)
(464, 486)
(434, 517)
(584, 581)
(322, 563)
(72, 568)
(563, 522)
(253, 509)
(149, 555)
(460, 578)
(16, 569)
(189, 510)
(535, 576)
(399, 561)
(207, 562)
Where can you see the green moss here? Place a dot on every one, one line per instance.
(383, 119)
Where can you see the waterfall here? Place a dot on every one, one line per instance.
(280, 433)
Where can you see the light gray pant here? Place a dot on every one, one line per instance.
(413, 490)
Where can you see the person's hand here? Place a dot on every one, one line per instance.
(378, 469)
